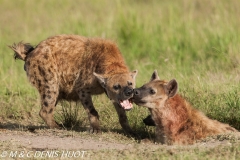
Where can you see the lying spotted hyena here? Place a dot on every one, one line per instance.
(177, 122)
(73, 67)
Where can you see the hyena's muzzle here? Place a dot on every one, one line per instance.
(138, 96)
(125, 99)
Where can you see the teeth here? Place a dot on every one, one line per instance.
(126, 104)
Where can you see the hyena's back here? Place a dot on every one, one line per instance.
(63, 64)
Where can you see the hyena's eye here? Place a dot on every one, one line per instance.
(129, 83)
(116, 87)
(152, 91)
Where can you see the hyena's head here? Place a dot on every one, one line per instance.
(119, 88)
(154, 93)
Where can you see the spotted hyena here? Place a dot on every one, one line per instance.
(177, 122)
(72, 67)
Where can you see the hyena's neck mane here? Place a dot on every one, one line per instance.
(115, 68)
(111, 60)
(173, 115)
(112, 64)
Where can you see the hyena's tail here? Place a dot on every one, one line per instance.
(21, 50)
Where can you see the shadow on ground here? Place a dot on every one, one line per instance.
(138, 135)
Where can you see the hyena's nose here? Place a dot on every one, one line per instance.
(128, 91)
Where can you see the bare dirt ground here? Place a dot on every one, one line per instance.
(54, 139)
(65, 140)
(19, 142)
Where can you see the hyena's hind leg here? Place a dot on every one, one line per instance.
(48, 102)
(44, 78)
(86, 100)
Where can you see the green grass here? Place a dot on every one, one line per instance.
(196, 42)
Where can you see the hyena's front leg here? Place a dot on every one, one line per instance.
(160, 136)
(149, 121)
(93, 116)
(123, 119)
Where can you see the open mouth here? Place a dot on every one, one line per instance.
(126, 104)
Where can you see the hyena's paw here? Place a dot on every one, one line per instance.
(55, 125)
(96, 130)
(94, 124)
(131, 133)
(128, 131)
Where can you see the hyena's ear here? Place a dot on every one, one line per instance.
(100, 79)
(134, 74)
(154, 76)
(171, 88)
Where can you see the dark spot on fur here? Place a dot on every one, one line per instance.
(49, 96)
(44, 96)
(181, 129)
(50, 111)
(45, 56)
(39, 83)
(80, 74)
(86, 103)
(45, 104)
(50, 74)
(83, 95)
(48, 92)
(54, 92)
(41, 71)
(47, 87)
(99, 69)
(34, 66)
(44, 111)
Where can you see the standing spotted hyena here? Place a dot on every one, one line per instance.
(74, 68)
(177, 122)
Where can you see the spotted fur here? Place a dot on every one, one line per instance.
(74, 68)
